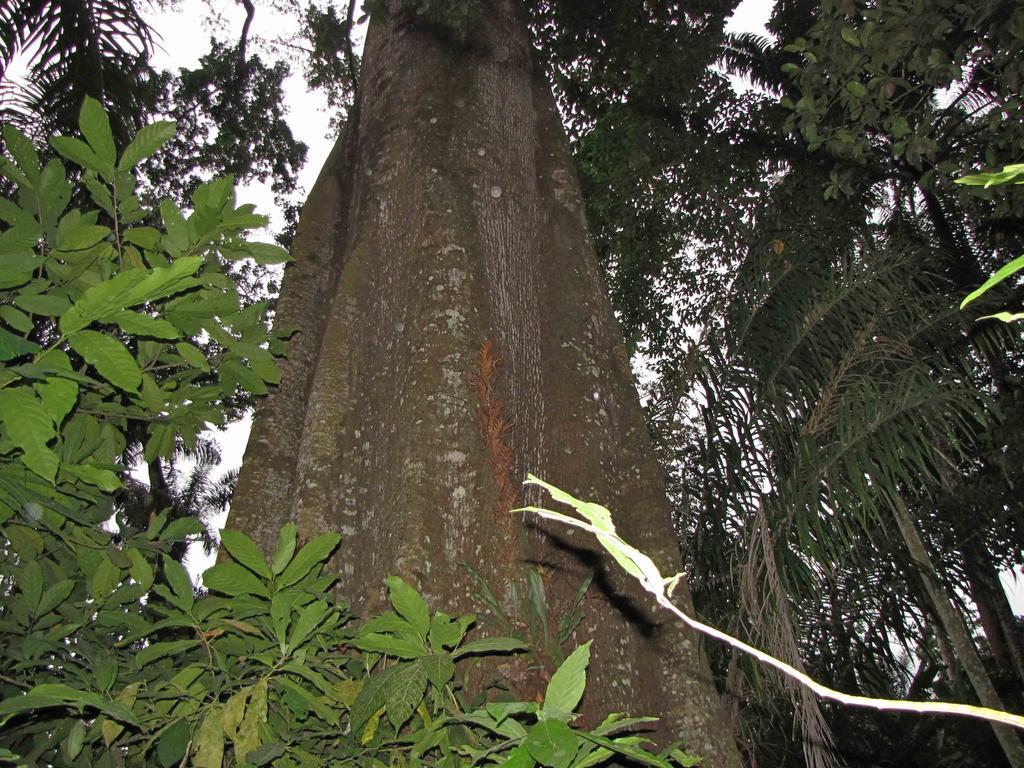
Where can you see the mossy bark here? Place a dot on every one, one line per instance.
(448, 220)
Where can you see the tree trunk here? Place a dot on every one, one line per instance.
(958, 635)
(454, 334)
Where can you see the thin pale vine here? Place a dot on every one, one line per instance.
(643, 568)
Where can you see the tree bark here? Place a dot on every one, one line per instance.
(955, 629)
(454, 334)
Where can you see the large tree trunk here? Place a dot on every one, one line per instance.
(445, 234)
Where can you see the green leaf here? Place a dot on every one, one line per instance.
(445, 633)
(128, 288)
(104, 479)
(155, 651)
(173, 743)
(12, 347)
(95, 126)
(1001, 274)
(108, 356)
(232, 579)
(78, 152)
(265, 253)
(850, 37)
(519, 758)
(104, 579)
(15, 318)
(490, 645)
(313, 554)
(43, 304)
(440, 669)
(56, 695)
(281, 615)
(139, 324)
(56, 595)
(384, 688)
(146, 142)
(30, 427)
(58, 396)
(24, 154)
(565, 688)
(552, 743)
(245, 551)
(209, 742)
(389, 644)
(636, 754)
(409, 604)
(285, 544)
(181, 584)
(855, 88)
(310, 617)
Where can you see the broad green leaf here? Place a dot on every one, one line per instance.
(24, 154)
(78, 152)
(635, 753)
(519, 758)
(57, 694)
(30, 427)
(565, 689)
(146, 142)
(177, 577)
(384, 686)
(56, 595)
(193, 356)
(75, 740)
(30, 581)
(173, 742)
(490, 645)
(81, 237)
(139, 324)
(445, 633)
(95, 126)
(387, 621)
(327, 712)
(108, 356)
(209, 741)
(247, 738)
(285, 543)
(856, 89)
(234, 711)
(552, 743)
(12, 346)
(104, 578)
(265, 253)
(850, 37)
(127, 289)
(440, 669)
(43, 304)
(409, 604)
(16, 319)
(232, 579)
(281, 614)
(140, 568)
(104, 479)
(312, 555)
(1001, 274)
(310, 617)
(155, 651)
(402, 648)
(245, 551)
(58, 396)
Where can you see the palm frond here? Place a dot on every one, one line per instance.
(73, 48)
